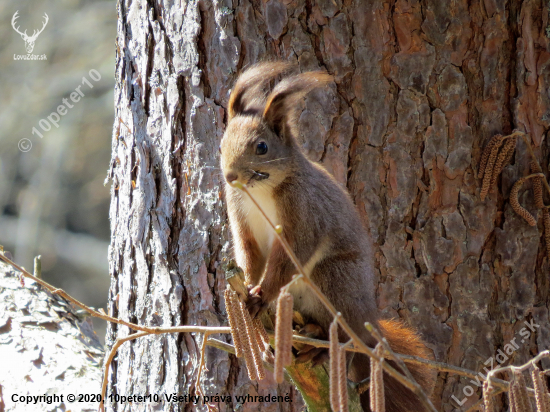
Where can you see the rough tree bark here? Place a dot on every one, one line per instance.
(420, 86)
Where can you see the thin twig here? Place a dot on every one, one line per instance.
(150, 330)
(110, 358)
(502, 385)
(221, 345)
(543, 354)
(440, 366)
(360, 346)
(201, 364)
(81, 305)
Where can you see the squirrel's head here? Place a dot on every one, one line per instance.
(258, 144)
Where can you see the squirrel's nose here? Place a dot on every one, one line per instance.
(231, 176)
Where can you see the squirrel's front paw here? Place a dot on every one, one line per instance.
(255, 303)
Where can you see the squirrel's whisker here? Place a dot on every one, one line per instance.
(274, 160)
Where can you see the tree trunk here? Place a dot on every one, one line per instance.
(420, 87)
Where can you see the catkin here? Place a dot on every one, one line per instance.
(512, 398)
(510, 153)
(538, 387)
(503, 158)
(522, 393)
(380, 397)
(283, 335)
(377, 401)
(515, 398)
(342, 380)
(546, 221)
(545, 391)
(372, 390)
(261, 334)
(537, 189)
(253, 344)
(247, 350)
(487, 176)
(514, 202)
(485, 155)
(537, 185)
(333, 362)
(488, 400)
(241, 315)
(233, 313)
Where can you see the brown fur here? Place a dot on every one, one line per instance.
(404, 340)
(318, 217)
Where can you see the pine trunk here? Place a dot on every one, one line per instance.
(420, 87)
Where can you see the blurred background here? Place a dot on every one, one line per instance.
(52, 199)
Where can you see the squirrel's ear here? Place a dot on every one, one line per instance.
(282, 102)
(249, 93)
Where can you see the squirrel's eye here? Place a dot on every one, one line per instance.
(261, 148)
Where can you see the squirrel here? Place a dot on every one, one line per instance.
(318, 218)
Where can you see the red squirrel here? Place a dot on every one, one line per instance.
(318, 218)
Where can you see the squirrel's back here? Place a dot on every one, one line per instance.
(319, 218)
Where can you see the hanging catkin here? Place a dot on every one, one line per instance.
(510, 153)
(487, 176)
(373, 391)
(514, 202)
(537, 185)
(522, 393)
(342, 380)
(239, 316)
(253, 343)
(511, 398)
(546, 221)
(247, 350)
(545, 390)
(503, 158)
(515, 398)
(283, 335)
(333, 359)
(377, 401)
(261, 335)
(485, 155)
(538, 387)
(488, 400)
(233, 312)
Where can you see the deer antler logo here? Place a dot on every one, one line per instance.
(29, 40)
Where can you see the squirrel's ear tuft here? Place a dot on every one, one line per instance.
(283, 101)
(250, 91)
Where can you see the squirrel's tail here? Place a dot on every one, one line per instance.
(405, 340)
